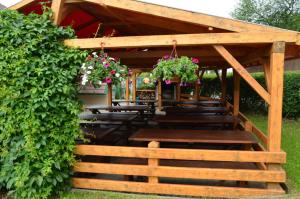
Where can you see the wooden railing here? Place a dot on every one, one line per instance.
(155, 171)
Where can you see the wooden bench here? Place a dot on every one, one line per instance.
(194, 110)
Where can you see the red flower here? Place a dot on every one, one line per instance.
(195, 60)
(108, 80)
(168, 81)
(113, 72)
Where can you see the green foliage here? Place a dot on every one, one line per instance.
(278, 13)
(183, 67)
(145, 81)
(38, 105)
(101, 68)
(250, 100)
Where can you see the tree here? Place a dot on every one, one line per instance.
(278, 13)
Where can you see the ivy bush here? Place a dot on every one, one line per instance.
(38, 105)
(250, 100)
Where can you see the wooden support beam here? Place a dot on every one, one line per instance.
(159, 95)
(185, 16)
(266, 67)
(153, 162)
(276, 91)
(224, 84)
(236, 93)
(109, 94)
(21, 4)
(178, 92)
(57, 6)
(182, 40)
(243, 72)
(133, 76)
(127, 93)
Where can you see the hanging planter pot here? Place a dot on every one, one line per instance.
(171, 68)
(100, 68)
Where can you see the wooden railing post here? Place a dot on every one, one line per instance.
(109, 94)
(153, 162)
(127, 90)
(57, 6)
(159, 95)
(178, 92)
(275, 106)
(134, 86)
(236, 93)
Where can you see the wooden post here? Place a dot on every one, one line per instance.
(236, 93)
(276, 92)
(197, 91)
(127, 90)
(178, 92)
(275, 106)
(153, 162)
(266, 67)
(57, 6)
(224, 85)
(159, 95)
(134, 86)
(109, 94)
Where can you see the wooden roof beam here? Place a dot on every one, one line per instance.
(187, 16)
(182, 40)
(243, 72)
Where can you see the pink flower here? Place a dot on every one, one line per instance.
(108, 80)
(113, 72)
(168, 81)
(195, 60)
(166, 56)
(199, 82)
(106, 65)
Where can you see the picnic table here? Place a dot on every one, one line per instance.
(196, 119)
(194, 110)
(139, 108)
(194, 136)
(197, 103)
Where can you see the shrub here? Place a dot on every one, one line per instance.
(250, 100)
(38, 105)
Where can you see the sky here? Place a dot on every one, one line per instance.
(213, 7)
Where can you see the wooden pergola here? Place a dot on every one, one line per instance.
(144, 32)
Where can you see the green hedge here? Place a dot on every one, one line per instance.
(38, 105)
(250, 100)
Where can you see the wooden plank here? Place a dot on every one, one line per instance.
(109, 94)
(182, 40)
(182, 154)
(186, 16)
(57, 7)
(172, 189)
(182, 172)
(236, 93)
(153, 163)
(276, 91)
(159, 95)
(133, 77)
(127, 91)
(243, 73)
(21, 4)
(266, 67)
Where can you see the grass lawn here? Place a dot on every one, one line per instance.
(290, 144)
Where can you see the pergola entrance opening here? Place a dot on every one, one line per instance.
(198, 147)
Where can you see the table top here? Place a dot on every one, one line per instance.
(178, 110)
(197, 119)
(194, 136)
(119, 108)
(200, 102)
(115, 117)
(134, 101)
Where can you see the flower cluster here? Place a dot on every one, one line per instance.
(169, 67)
(100, 68)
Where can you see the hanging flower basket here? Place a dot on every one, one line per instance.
(100, 68)
(176, 69)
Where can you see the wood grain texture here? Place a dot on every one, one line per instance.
(173, 189)
(57, 8)
(276, 91)
(243, 72)
(182, 172)
(182, 40)
(182, 154)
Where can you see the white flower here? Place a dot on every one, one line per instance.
(111, 58)
(88, 72)
(83, 65)
(90, 67)
(117, 74)
(94, 53)
(100, 82)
